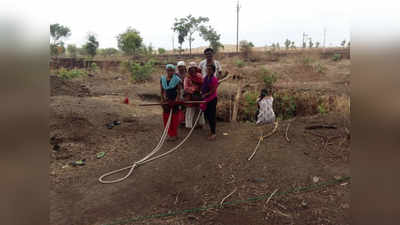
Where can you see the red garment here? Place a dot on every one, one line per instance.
(173, 127)
(191, 85)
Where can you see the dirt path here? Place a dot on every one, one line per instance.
(201, 173)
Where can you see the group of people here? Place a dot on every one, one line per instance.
(192, 83)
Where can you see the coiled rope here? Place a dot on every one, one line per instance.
(147, 158)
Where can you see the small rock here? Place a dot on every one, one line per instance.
(315, 179)
(258, 180)
(338, 177)
(304, 204)
(345, 206)
(65, 166)
(191, 217)
(225, 134)
(56, 147)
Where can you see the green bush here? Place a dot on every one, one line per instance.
(319, 68)
(268, 77)
(70, 74)
(240, 63)
(250, 105)
(306, 61)
(337, 57)
(140, 73)
(322, 109)
(284, 106)
(94, 68)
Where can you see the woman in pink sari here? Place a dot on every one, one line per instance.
(209, 94)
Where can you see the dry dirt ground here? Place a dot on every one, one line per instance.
(200, 173)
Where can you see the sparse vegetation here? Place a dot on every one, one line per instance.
(240, 63)
(246, 48)
(269, 78)
(138, 72)
(322, 109)
(337, 57)
(161, 51)
(70, 74)
(250, 105)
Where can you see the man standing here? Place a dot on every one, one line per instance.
(209, 53)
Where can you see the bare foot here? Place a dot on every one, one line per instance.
(172, 139)
(212, 137)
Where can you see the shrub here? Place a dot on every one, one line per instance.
(268, 77)
(140, 73)
(337, 57)
(240, 63)
(70, 74)
(246, 48)
(250, 105)
(284, 105)
(94, 68)
(319, 68)
(321, 109)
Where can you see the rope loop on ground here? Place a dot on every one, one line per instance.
(147, 158)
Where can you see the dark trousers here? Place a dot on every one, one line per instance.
(210, 114)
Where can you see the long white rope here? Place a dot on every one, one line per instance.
(147, 158)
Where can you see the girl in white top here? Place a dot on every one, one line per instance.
(265, 112)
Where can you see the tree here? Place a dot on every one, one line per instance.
(343, 43)
(161, 51)
(292, 46)
(304, 44)
(188, 26)
(317, 44)
(273, 46)
(130, 41)
(348, 44)
(310, 43)
(210, 35)
(287, 43)
(72, 50)
(245, 48)
(57, 34)
(277, 45)
(91, 45)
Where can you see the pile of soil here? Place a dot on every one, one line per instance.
(59, 86)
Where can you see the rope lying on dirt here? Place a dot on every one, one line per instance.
(147, 158)
(262, 139)
(214, 206)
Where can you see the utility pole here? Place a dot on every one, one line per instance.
(173, 49)
(304, 38)
(237, 26)
(324, 37)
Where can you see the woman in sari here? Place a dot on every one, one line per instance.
(192, 86)
(170, 91)
(209, 94)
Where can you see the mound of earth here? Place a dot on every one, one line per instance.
(59, 86)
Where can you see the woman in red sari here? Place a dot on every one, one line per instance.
(192, 85)
(170, 91)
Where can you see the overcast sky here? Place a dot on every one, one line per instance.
(261, 22)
